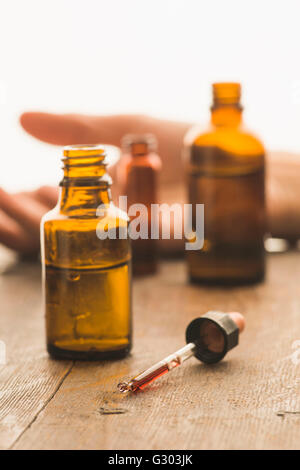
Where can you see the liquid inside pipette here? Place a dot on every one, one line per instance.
(160, 368)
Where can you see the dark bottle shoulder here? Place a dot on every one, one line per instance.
(225, 150)
(232, 140)
(151, 160)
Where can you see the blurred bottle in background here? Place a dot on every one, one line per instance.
(226, 173)
(138, 174)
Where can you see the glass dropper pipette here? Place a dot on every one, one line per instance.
(208, 338)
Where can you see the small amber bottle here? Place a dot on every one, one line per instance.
(138, 173)
(87, 277)
(226, 173)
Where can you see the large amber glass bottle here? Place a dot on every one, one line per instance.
(86, 262)
(226, 173)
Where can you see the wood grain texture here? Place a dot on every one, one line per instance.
(29, 379)
(249, 401)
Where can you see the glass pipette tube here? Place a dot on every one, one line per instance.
(208, 338)
(157, 370)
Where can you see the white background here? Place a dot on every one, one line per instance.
(148, 56)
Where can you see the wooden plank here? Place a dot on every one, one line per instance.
(250, 400)
(29, 378)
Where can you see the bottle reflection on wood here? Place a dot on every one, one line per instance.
(138, 174)
(226, 174)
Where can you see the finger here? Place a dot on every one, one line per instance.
(171, 194)
(69, 129)
(15, 237)
(47, 195)
(22, 208)
(282, 185)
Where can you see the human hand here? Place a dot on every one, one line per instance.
(21, 212)
(20, 216)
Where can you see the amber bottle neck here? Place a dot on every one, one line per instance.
(138, 149)
(85, 200)
(226, 115)
(226, 109)
(85, 184)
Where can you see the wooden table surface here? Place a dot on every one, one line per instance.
(251, 400)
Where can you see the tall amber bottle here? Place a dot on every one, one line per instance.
(226, 173)
(87, 275)
(138, 173)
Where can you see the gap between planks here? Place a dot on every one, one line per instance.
(11, 447)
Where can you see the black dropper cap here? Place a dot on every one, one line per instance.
(214, 334)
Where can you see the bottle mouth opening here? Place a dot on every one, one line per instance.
(139, 143)
(84, 150)
(226, 94)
